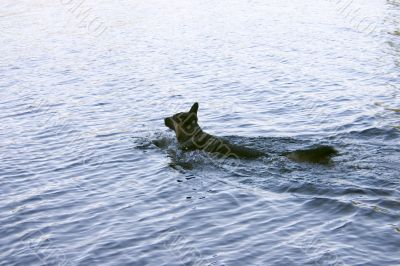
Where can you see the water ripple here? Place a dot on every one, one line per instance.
(90, 175)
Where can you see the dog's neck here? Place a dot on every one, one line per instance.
(195, 141)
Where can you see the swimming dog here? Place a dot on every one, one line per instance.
(190, 136)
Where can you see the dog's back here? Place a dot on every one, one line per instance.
(209, 143)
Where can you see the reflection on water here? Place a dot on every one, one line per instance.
(89, 174)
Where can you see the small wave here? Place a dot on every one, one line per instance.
(379, 133)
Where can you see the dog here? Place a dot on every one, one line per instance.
(190, 136)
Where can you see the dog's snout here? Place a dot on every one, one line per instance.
(169, 123)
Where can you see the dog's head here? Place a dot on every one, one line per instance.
(184, 124)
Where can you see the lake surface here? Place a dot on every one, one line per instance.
(84, 89)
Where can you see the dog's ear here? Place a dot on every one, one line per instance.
(194, 108)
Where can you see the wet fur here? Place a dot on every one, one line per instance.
(191, 137)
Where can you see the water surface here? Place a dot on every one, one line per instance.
(85, 88)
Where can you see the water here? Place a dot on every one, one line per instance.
(85, 88)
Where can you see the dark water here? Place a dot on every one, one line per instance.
(83, 93)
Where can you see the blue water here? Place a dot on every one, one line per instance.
(84, 90)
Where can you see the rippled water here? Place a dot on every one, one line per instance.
(85, 88)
